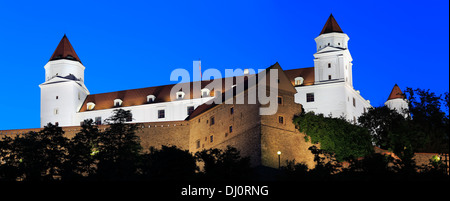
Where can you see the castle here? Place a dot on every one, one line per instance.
(192, 120)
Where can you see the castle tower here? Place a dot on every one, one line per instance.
(397, 101)
(63, 91)
(332, 61)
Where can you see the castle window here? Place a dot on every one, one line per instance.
(280, 119)
(117, 102)
(161, 114)
(90, 106)
(298, 81)
(56, 97)
(98, 120)
(180, 95)
(211, 122)
(310, 97)
(205, 92)
(211, 138)
(79, 97)
(329, 65)
(280, 100)
(230, 129)
(197, 144)
(190, 109)
(55, 111)
(150, 98)
(329, 77)
(339, 43)
(232, 110)
(328, 44)
(354, 102)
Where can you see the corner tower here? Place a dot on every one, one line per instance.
(332, 61)
(63, 91)
(397, 101)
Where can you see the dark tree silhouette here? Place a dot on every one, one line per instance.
(83, 148)
(224, 164)
(119, 148)
(168, 163)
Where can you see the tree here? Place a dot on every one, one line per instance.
(224, 164)
(8, 163)
(425, 108)
(82, 150)
(119, 148)
(168, 163)
(39, 155)
(335, 135)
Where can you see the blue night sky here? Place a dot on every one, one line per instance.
(135, 44)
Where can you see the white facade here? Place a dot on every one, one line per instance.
(63, 92)
(332, 93)
(398, 104)
(173, 111)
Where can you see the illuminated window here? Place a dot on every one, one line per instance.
(90, 106)
(298, 81)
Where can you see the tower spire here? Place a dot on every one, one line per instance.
(64, 50)
(331, 26)
(396, 93)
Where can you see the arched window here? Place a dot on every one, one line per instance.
(90, 106)
(180, 95)
(298, 81)
(117, 102)
(150, 98)
(205, 92)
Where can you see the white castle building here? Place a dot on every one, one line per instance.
(326, 88)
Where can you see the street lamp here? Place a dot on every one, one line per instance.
(279, 159)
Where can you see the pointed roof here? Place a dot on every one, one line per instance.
(396, 93)
(65, 51)
(331, 26)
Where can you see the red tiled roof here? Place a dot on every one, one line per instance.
(134, 97)
(396, 93)
(64, 50)
(331, 26)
